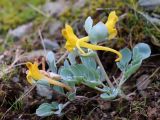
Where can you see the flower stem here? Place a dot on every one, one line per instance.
(97, 47)
(103, 70)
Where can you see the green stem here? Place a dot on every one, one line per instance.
(96, 88)
(99, 89)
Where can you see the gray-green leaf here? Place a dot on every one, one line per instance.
(98, 33)
(46, 109)
(113, 94)
(88, 61)
(126, 57)
(143, 49)
(88, 24)
(51, 61)
(132, 69)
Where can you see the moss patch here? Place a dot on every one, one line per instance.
(16, 12)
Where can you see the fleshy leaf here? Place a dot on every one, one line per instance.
(71, 57)
(43, 82)
(66, 74)
(71, 96)
(82, 70)
(66, 63)
(58, 89)
(132, 69)
(111, 94)
(59, 111)
(101, 73)
(143, 49)
(126, 57)
(98, 33)
(46, 109)
(88, 24)
(51, 61)
(43, 89)
(92, 83)
(79, 73)
(89, 61)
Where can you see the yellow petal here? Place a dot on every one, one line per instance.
(29, 78)
(57, 83)
(96, 47)
(71, 38)
(84, 39)
(34, 71)
(68, 28)
(29, 65)
(110, 24)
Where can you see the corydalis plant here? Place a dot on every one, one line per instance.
(86, 71)
(90, 74)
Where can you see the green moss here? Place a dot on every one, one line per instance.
(16, 12)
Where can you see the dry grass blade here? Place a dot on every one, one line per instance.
(20, 98)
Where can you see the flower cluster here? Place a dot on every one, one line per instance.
(35, 74)
(95, 33)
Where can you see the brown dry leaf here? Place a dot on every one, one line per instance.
(151, 112)
(104, 105)
(143, 82)
(155, 41)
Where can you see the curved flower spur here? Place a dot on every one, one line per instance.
(35, 74)
(94, 32)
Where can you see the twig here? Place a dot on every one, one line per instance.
(42, 40)
(143, 82)
(115, 81)
(62, 57)
(10, 67)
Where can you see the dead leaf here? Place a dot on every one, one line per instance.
(104, 105)
(143, 82)
(151, 112)
(155, 41)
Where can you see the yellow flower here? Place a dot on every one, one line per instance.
(110, 24)
(74, 42)
(34, 73)
(71, 38)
